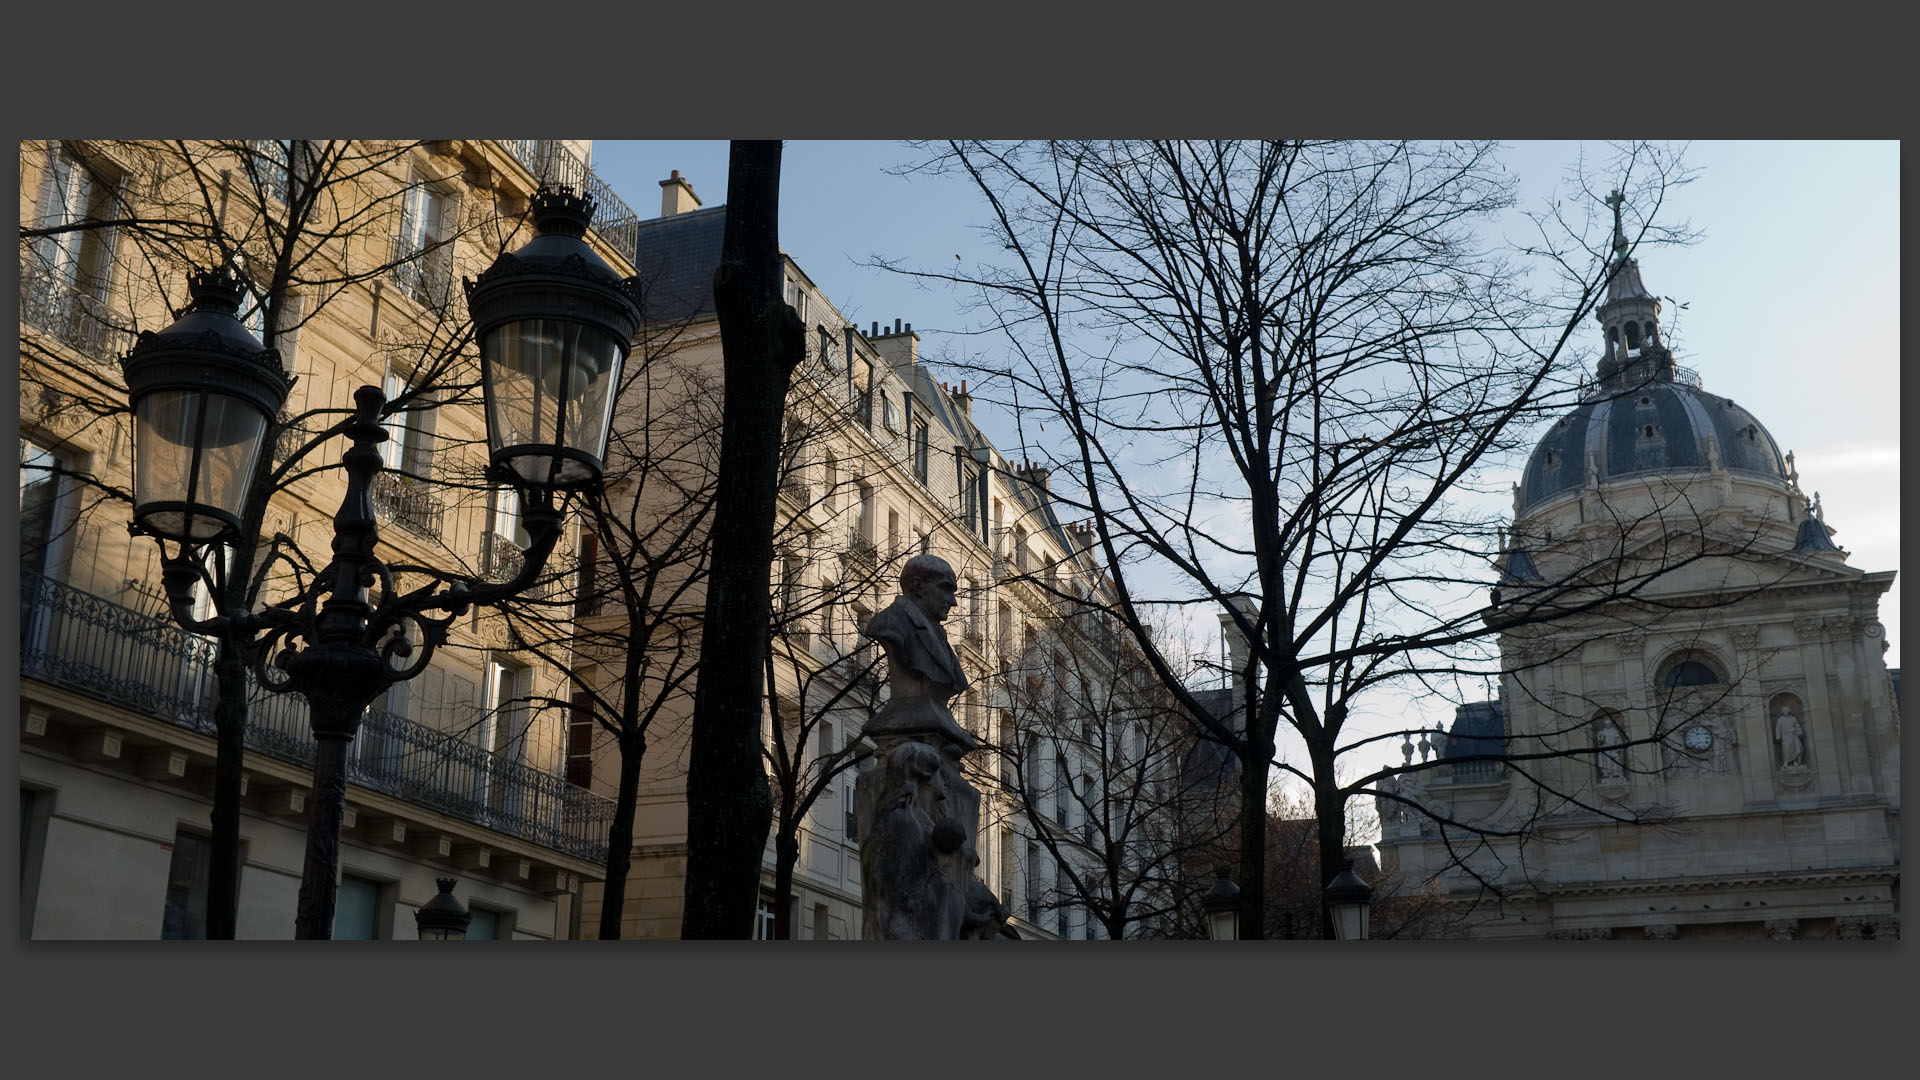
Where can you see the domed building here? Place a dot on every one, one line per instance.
(1697, 736)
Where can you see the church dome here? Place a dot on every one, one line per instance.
(1643, 415)
(1649, 421)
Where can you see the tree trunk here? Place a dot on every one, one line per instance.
(613, 896)
(1330, 811)
(729, 807)
(1253, 850)
(786, 853)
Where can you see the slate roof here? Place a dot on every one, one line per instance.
(1479, 727)
(674, 260)
(1613, 428)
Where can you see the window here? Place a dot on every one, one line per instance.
(1086, 810)
(580, 741)
(1063, 922)
(893, 533)
(408, 448)
(266, 162)
(797, 298)
(763, 920)
(970, 496)
(825, 737)
(863, 409)
(1006, 867)
(43, 510)
(188, 885)
(920, 456)
(423, 255)
(852, 822)
(356, 909)
(482, 925)
(890, 413)
(502, 732)
(819, 922)
(1033, 881)
(503, 543)
(1019, 552)
(827, 359)
(1689, 669)
(1006, 629)
(830, 482)
(64, 284)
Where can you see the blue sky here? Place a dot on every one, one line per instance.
(1791, 294)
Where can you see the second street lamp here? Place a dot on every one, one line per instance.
(559, 321)
(1222, 906)
(1350, 899)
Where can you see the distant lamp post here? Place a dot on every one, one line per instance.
(443, 918)
(1351, 901)
(554, 323)
(1222, 905)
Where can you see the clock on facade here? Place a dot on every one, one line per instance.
(1699, 738)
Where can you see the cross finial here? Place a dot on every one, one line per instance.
(1616, 200)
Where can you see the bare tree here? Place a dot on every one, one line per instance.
(1091, 756)
(119, 226)
(622, 618)
(729, 806)
(1284, 370)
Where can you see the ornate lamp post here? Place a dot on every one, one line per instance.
(1351, 901)
(443, 918)
(554, 322)
(1222, 905)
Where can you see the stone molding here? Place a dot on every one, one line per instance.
(1662, 932)
(1783, 929)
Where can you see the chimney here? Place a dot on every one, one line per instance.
(1234, 645)
(899, 347)
(676, 196)
(963, 400)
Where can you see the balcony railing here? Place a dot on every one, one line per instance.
(407, 503)
(59, 307)
(92, 645)
(500, 559)
(550, 161)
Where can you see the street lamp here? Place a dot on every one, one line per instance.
(554, 322)
(1222, 905)
(443, 918)
(1350, 899)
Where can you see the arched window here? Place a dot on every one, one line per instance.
(1689, 669)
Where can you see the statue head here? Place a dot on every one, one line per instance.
(929, 582)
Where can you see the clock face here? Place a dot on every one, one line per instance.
(1699, 738)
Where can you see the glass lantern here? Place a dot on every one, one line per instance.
(554, 323)
(204, 392)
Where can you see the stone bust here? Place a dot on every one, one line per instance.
(922, 670)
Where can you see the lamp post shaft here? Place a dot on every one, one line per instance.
(341, 673)
(319, 875)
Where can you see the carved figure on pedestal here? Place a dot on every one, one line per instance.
(916, 814)
(1792, 739)
(1612, 761)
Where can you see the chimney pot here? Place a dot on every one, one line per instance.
(896, 326)
(876, 330)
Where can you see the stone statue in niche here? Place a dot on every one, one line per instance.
(917, 815)
(1612, 761)
(1791, 738)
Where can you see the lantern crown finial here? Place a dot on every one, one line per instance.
(558, 210)
(215, 290)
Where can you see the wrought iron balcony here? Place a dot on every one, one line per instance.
(53, 305)
(861, 553)
(550, 161)
(144, 663)
(500, 558)
(407, 503)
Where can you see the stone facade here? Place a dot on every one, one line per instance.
(1753, 786)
